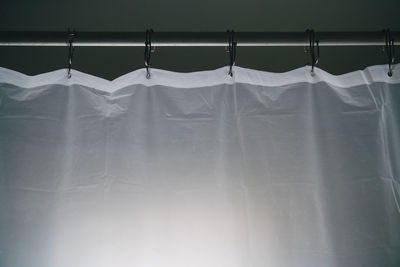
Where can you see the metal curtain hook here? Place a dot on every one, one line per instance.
(71, 36)
(231, 49)
(389, 47)
(311, 50)
(148, 49)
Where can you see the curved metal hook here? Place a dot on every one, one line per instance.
(231, 49)
(313, 43)
(389, 46)
(148, 49)
(71, 36)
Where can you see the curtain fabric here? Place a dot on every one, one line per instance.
(200, 169)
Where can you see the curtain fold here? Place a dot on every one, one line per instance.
(200, 169)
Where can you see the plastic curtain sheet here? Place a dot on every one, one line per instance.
(200, 169)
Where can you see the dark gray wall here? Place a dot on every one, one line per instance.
(194, 15)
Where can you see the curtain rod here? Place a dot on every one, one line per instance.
(47, 38)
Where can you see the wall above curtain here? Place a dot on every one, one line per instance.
(196, 15)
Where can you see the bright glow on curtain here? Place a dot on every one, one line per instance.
(200, 169)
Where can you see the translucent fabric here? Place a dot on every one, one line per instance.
(200, 169)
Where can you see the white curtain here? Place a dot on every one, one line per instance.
(200, 169)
